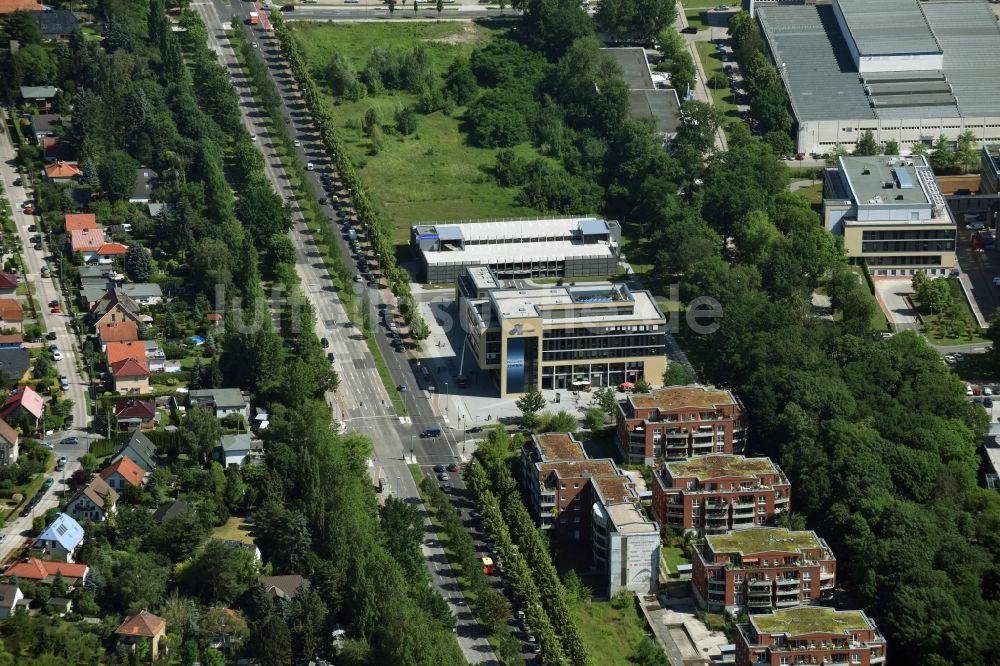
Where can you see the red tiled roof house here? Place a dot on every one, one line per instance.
(143, 626)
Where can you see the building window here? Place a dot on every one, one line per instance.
(856, 658)
(737, 578)
(807, 575)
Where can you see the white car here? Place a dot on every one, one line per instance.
(987, 390)
(975, 226)
(57, 355)
(253, 137)
(996, 280)
(297, 143)
(310, 166)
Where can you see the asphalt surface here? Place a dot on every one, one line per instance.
(46, 290)
(361, 403)
(425, 12)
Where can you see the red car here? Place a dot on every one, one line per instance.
(29, 210)
(57, 310)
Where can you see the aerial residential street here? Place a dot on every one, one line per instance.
(361, 401)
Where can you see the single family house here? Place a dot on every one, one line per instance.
(8, 444)
(56, 24)
(44, 571)
(80, 222)
(11, 598)
(145, 182)
(24, 407)
(222, 401)
(95, 502)
(240, 449)
(8, 284)
(135, 414)
(141, 450)
(123, 472)
(144, 293)
(143, 627)
(60, 539)
(117, 332)
(11, 315)
(15, 365)
(61, 172)
(115, 306)
(40, 97)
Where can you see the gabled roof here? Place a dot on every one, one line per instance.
(119, 351)
(135, 409)
(145, 181)
(31, 92)
(240, 442)
(80, 221)
(12, 339)
(110, 299)
(143, 290)
(14, 363)
(285, 587)
(87, 239)
(8, 280)
(130, 367)
(56, 22)
(99, 492)
(11, 310)
(9, 595)
(142, 447)
(112, 249)
(172, 510)
(118, 331)
(62, 169)
(26, 398)
(7, 433)
(128, 470)
(36, 569)
(56, 149)
(65, 531)
(142, 623)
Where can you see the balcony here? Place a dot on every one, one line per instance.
(778, 499)
(786, 603)
(759, 603)
(717, 584)
(788, 582)
(675, 508)
(759, 584)
(716, 507)
(826, 575)
(879, 659)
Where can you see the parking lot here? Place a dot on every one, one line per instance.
(980, 267)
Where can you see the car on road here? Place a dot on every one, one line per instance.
(453, 467)
(288, 8)
(330, 357)
(443, 477)
(70, 441)
(48, 483)
(57, 355)
(324, 342)
(38, 247)
(51, 335)
(253, 44)
(401, 388)
(438, 469)
(474, 429)
(358, 278)
(310, 166)
(430, 432)
(56, 310)
(61, 464)
(45, 271)
(2, 537)
(323, 201)
(64, 383)
(975, 226)
(690, 30)
(68, 422)
(18, 182)
(297, 143)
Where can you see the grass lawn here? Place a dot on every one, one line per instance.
(936, 331)
(704, 4)
(712, 62)
(673, 556)
(611, 636)
(235, 529)
(696, 18)
(434, 174)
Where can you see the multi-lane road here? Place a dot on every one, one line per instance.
(361, 403)
(45, 290)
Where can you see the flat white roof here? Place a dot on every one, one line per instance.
(532, 302)
(503, 250)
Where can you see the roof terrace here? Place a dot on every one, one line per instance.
(715, 466)
(762, 539)
(809, 620)
(679, 397)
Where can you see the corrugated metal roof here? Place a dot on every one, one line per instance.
(971, 39)
(888, 26)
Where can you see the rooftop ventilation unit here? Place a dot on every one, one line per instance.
(903, 177)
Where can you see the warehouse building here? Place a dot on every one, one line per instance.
(908, 71)
(891, 214)
(560, 337)
(563, 247)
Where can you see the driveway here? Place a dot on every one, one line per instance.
(892, 295)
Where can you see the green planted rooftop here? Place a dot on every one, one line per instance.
(715, 466)
(809, 620)
(762, 539)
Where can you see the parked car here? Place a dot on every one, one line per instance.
(324, 342)
(988, 403)
(690, 30)
(438, 469)
(975, 226)
(401, 388)
(51, 335)
(443, 477)
(323, 201)
(453, 467)
(330, 357)
(70, 441)
(473, 430)
(310, 166)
